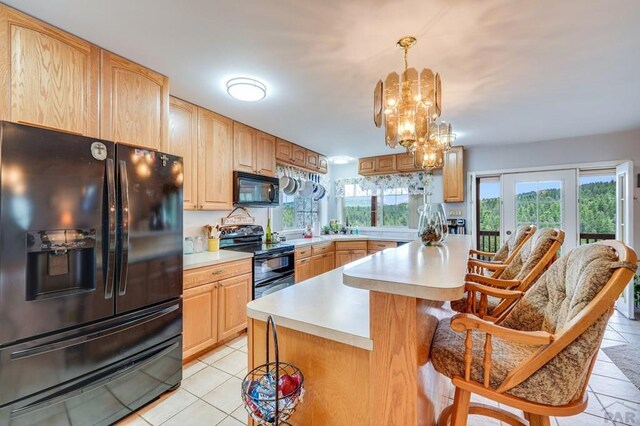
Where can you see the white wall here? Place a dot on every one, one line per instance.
(586, 149)
(195, 220)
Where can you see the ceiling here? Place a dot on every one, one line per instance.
(512, 71)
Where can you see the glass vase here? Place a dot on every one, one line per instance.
(432, 228)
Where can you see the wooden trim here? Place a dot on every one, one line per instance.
(394, 364)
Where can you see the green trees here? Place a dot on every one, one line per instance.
(597, 208)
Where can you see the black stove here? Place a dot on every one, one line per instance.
(248, 239)
(273, 263)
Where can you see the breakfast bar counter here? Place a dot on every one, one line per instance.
(361, 335)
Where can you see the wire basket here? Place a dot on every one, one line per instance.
(272, 391)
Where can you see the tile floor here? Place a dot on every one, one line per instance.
(210, 391)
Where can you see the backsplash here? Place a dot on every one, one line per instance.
(195, 220)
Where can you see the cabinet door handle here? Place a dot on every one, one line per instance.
(381, 245)
(217, 272)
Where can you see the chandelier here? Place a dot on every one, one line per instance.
(410, 105)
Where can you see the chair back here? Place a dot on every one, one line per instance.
(572, 301)
(514, 244)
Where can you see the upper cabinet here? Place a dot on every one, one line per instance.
(265, 154)
(283, 151)
(47, 76)
(367, 166)
(386, 164)
(135, 103)
(244, 148)
(323, 163)
(453, 175)
(253, 151)
(298, 156)
(312, 160)
(288, 153)
(183, 141)
(215, 161)
(405, 163)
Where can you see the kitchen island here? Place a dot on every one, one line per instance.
(361, 335)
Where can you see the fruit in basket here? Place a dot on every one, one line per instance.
(287, 384)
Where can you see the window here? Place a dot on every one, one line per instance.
(539, 203)
(357, 206)
(597, 205)
(392, 207)
(297, 211)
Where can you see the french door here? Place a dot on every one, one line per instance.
(624, 227)
(545, 199)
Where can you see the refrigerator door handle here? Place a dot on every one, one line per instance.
(111, 245)
(124, 205)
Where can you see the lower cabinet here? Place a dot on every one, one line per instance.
(322, 263)
(347, 256)
(200, 320)
(233, 296)
(214, 304)
(303, 270)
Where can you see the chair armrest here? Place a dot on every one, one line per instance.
(492, 291)
(462, 322)
(474, 252)
(494, 266)
(495, 282)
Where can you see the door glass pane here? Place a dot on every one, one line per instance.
(597, 206)
(489, 211)
(539, 203)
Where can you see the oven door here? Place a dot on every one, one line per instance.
(273, 286)
(270, 267)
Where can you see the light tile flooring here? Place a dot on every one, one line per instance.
(210, 391)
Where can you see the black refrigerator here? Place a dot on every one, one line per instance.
(90, 277)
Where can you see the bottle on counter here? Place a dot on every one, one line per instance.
(356, 230)
(268, 231)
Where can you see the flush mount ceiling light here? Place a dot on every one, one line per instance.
(246, 89)
(408, 105)
(341, 159)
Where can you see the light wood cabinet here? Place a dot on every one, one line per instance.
(183, 141)
(323, 163)
(344, 257)
(47, 77)
(244, 148)
(367, 166)
(215, 160)
(376, 246)
(214, 304)
(233, 296)
(200, 319)
(283, 151)
(135, 103)
(253, 151)
(298, 156)
(312, 159)
(405, 163)
(317, 265)
(265, 154)
(453, 175)
(386, 164)
(303, 270)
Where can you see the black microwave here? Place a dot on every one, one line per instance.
(252, 190)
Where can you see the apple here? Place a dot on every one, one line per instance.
(287, 384)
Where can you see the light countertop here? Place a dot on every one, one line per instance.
(301, 242)
(433, 273)
(321, 306)
(209, 258)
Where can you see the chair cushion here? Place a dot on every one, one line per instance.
(530, 255)
(512, 242)
(447, 354)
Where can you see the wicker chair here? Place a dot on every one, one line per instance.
(492, 297)
(503, 256)
(539, 357)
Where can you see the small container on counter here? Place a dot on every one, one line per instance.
(213, 244)
(188, 245)
(198, 245)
